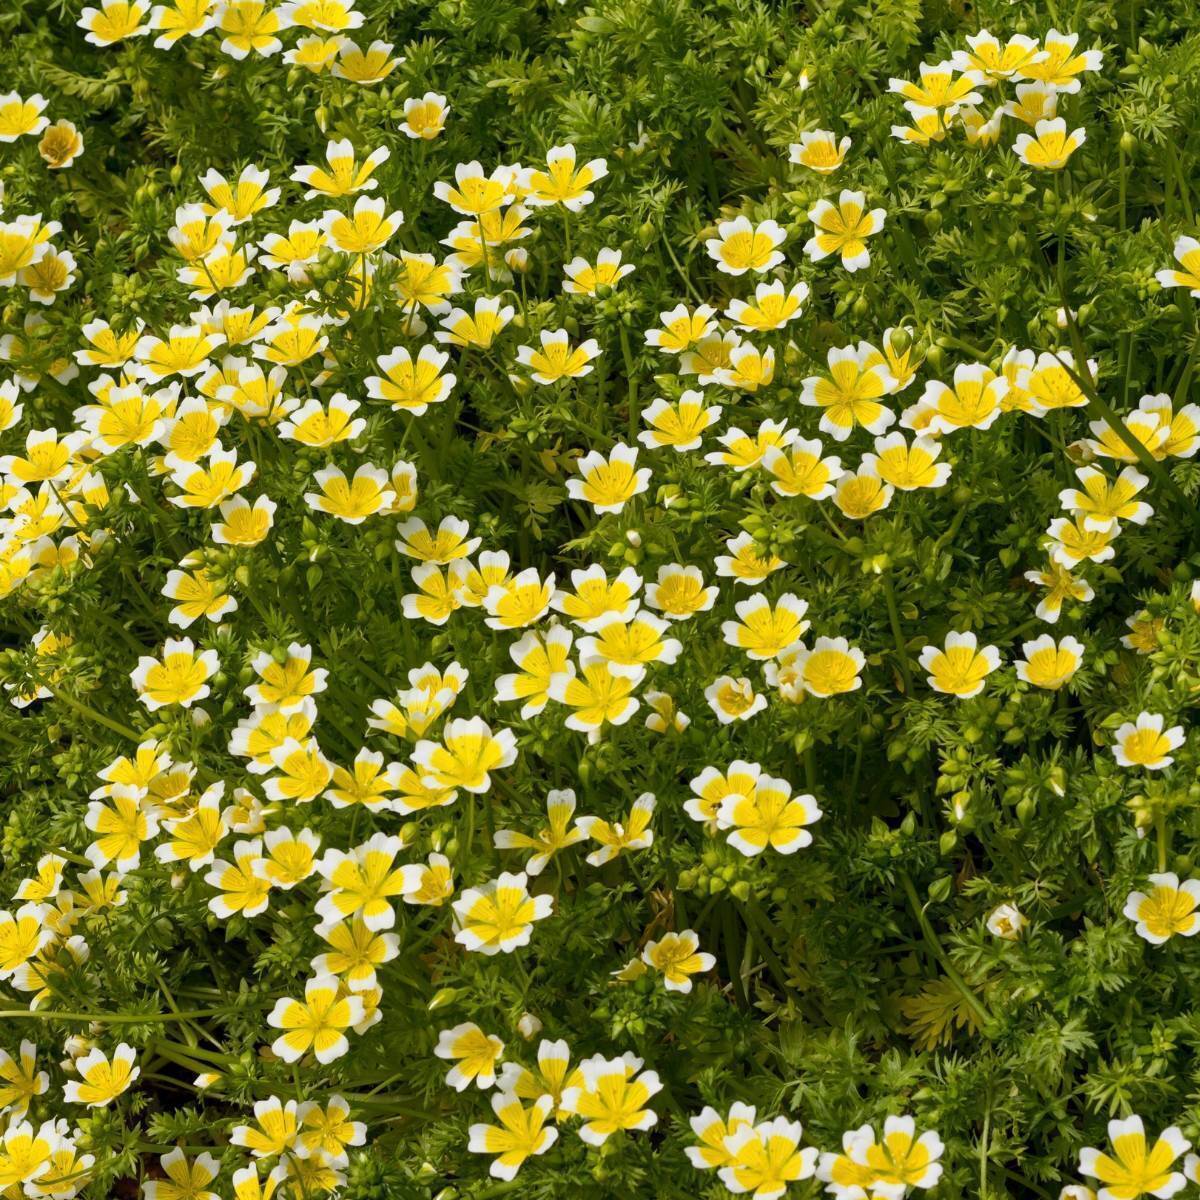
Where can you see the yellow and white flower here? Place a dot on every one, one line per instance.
(102, 1078)
(960, 666)
(498, 917)
(849, 394)
(1145, 743)
(773, 307)
(475, 1055)
(677, 957)
(563, 182)
(800, 469)
(768, 816)
(819, 150)
(585, 278)
(521, 1134)
(1050, 146)
(556, 835)
(682, 328)
(679, 592)
(612, 1096)
(616, 837)
(1135, 1167)
(1166, 911)
(679, 425)
(843, 228)
(557, 359)
(1062, 66)
(762, 630)
(1048, 663)
(742, 246)
(609, 482)
(316, 1024)
(711, 1130)
(179, 677)
(540, 659)
(765, 1158)
(466, 755)
(1102, 502)
(1187, 255)
(114, 21)
(362, 883)
(907, 466)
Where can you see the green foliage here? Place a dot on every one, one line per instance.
(853, 980)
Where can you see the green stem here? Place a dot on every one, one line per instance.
(898, 635)
(976, 1005)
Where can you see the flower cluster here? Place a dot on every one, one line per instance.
(627, 627)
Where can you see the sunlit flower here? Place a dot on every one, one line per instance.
(800, 469)
(711, 1130)
(939, 87)
(1061, 68)
(563, 182)
(498, 917)
(995, 61)
(540, 659)
(1135, 1168)
(843, 229)
(250, 25)
(584, 278)
(960, 667)
(677, 957)
(594, 597)
(114, 21)
(681, 328)
(424, 116)
(22, 118)
(907, 466)
(521, 1134)
(317, 1023)
(1168, 910)
(365, 67)
(557, 359)
(612, 1095)
(849, 394)
(368, 227)
(616, 837)
(480, 328)
(679, 425)
(765, 1158)
(900, 1159)
(1060, 586)
(558, 833)
(762, 630)
(820, 151)
(733, 699)
(1072, 542)
(1049, 664)
(474, 1054)
(179, 677)
(1051, 146)
(1145, 743)
(741, 246)
(773, 307)
(608, 483)
(102, 1078)
(1187, 254)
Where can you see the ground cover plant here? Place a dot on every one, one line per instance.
(598, 599)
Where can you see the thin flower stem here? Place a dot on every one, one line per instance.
(976, 1005)
(897, 633)
(29, 1014)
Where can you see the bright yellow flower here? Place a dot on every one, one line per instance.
(1134, 1168)
(317, 1023)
